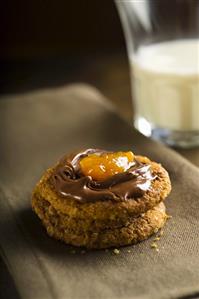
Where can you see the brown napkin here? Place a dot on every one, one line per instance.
(36, 130)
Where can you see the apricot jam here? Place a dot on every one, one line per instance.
(101, 167)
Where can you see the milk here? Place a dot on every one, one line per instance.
(166, 84)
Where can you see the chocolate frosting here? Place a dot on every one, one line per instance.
(68, 181)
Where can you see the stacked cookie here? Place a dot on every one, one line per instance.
(98, 199)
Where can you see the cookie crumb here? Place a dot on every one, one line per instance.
(116, 251)
(157, 249)
(128, 251)
(154, 245)
(156, 239)
(161, 233)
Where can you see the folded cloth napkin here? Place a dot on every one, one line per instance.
(36, 130)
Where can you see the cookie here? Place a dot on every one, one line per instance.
(111, 203)
(136, 230)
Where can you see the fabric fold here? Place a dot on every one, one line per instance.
(36, 130)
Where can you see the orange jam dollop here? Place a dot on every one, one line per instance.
(103, 166)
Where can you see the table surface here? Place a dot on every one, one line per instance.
(109, 73)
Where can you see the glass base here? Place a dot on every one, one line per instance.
(182, 139)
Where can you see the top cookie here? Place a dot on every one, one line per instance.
(98, 189)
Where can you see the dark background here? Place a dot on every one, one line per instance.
(46, 43)
(50, 43)
(32, 29)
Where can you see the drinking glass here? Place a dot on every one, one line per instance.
(162, 40)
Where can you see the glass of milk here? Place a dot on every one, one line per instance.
(163, 47)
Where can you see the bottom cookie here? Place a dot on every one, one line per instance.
(138, 229)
